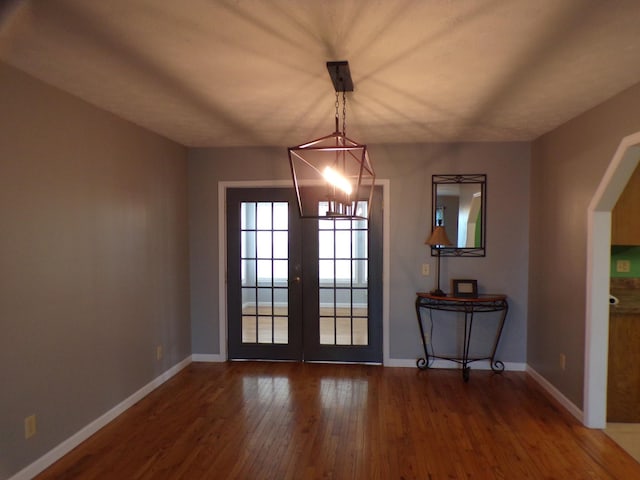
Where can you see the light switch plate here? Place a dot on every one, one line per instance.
(30, 426)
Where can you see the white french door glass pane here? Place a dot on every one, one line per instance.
(248, 215)
(248, 242)
(343, 244)
(263, 216)
(359, 242)
(265, 334)
(280, 330)
(264, 244)
(280, 272)
(343, 297)
(326, 244)
(360, 224)
(327, 331)
(360, 297)
(264, 272)
(360, 331)
(280, 245)
(265, 301)
(248, 272)
(343, 331)
(359, 272)
(325, 270)
(327, 305)
(249, 300)
(249, 334)
(281, 300)
(343, 270)
(281, 216)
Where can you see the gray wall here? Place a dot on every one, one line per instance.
(409, 169)
(93, 263)
(567, 166)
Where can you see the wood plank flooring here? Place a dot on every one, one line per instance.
(260, 420)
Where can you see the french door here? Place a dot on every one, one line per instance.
(305, 290)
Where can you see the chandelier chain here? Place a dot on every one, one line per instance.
(337, 114)
(344, 113)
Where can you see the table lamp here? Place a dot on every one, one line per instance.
(438, 239)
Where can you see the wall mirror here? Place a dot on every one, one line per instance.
(459, 205)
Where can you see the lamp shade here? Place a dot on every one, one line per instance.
(438, 237)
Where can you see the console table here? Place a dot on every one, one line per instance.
(468, 306)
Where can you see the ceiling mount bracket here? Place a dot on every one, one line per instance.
(340, 76)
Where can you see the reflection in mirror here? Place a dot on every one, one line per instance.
(459, 205)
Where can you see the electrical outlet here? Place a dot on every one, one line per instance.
(425, 269)
(563, 361)
(30, 426)
(159, 352)
(623, 266)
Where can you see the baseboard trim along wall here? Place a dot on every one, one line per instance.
(76, 439)
(208, 357)
(554, 393)
(443, 363)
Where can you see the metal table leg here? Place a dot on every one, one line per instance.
(468, 323)
(423, 362)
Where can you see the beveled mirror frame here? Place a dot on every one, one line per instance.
(443, 182)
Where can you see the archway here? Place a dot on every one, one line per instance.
(613, 182)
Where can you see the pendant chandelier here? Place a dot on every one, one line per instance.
(335, 161)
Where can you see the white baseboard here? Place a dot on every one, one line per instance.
(208, 357)
(439, 363)
(556, 394)
(76, 439)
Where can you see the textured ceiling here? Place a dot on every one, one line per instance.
(252, 72)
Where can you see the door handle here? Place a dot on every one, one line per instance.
(295, 280)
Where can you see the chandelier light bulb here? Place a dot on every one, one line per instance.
(337, 180)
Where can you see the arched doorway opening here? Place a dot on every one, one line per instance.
(620, 169)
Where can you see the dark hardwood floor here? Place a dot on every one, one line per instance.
(251, 420)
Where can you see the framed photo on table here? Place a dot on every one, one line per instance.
(464, 288)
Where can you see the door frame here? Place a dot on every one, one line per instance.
(222, 256)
